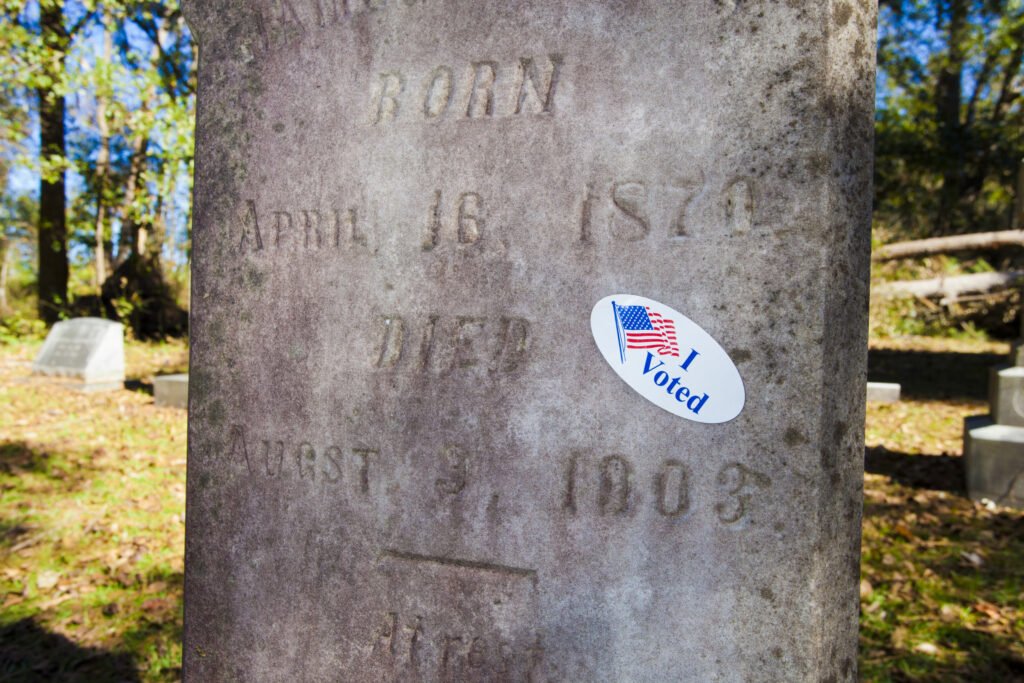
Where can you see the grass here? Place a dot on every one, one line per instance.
(91, 527)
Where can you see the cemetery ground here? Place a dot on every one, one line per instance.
(92, 500)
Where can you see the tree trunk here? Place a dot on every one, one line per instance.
(53, 250)
(6, 248)
(951, 133)
(1017, 219)
(102, 167)
(129, 242)
(946, 245)
(951, 288)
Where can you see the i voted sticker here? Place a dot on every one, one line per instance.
(667, 358)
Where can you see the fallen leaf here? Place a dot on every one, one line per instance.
(973, 559)
(865, 588)
(926, 649)
(47, 580)
(949, 614)
(987, 608)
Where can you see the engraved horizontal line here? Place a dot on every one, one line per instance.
(462, 564)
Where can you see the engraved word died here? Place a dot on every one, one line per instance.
(667, 358)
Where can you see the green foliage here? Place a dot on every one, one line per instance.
(950, 124)
(16, 328)
(128, 153)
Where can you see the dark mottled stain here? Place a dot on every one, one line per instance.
(278, 127)
(858, 49)
(740, 355)
(215, 413)
(767, 594)
(794, 437)
(777, 652)
(843, 13)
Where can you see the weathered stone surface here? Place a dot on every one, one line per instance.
(994, 461)
(407, 459)
(1006, 395)
(883, 392)
(87, 349)
(171, 390)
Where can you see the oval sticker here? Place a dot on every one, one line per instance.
(667, 358)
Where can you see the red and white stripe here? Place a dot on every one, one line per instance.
(661, 339)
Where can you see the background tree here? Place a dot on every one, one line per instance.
(109, 86)
(950, 123)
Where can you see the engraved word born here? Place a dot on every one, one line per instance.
(483, 89)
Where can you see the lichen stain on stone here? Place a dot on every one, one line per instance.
(794, 437)
(843, 12)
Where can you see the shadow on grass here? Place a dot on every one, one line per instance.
(68, 468)
(934, 374)
(991, 661)
(139, 386)
(29, 653)
(935, 472)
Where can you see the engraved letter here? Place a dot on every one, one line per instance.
(613, 496)
(631, 200)
(306, 460)
(312, 229)
(481, 94)
(737, 480)
(515, 342)
(433, 223)
(364, 455)
(672, 489)
(391, 86)
(586, 215)
(528, 72)
(439, 93)
(273, 469)
(477, 655)
(333, 471)
(471, 222)
(289, 15)
(691, 188)
(458, 463)
(238, 443)
(739, 206)
(336, 15)
(385, 638)
(467, 331)
(391, 345)
(355, 235)
(427, 344)
(279, 226)
(252, 221)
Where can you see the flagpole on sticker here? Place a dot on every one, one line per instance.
(618, 333)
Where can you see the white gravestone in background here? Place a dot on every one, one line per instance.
(89, 349)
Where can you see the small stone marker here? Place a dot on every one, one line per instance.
(883, 392)
(409, 459)
(86, 349)
(994, 443)
(171, 391)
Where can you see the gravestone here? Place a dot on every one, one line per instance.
(87, 350)
(994, 443)
(884, 392)
(408, 458)
(171, 391)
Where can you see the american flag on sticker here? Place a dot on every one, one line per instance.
(641, 328)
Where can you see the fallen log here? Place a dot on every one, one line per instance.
(951, 288)
(945, 245)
